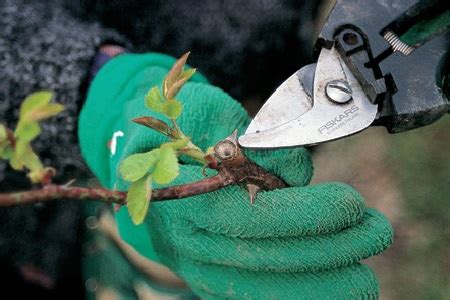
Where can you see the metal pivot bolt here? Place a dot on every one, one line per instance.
(338, 91)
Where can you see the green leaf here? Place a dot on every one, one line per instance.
(7, 153)
(3, 139)
(35, 101)
(34, 108)
(138, 199)
(154, 100)
(178, 143)
(135, 166)
(44, 112)
(37, 107)
(172, 109)
(3, 134)
(25, 158)
(16, 162)
(27, 131)
(34, 165)
(167, 168)
(31, 160)
(20, 149)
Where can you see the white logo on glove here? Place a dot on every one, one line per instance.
(113, 145)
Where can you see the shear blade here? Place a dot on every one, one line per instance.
(325, 121)
(290, 100)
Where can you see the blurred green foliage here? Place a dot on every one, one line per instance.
(421, 163)
(424, 157)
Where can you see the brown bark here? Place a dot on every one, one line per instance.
(232, 166)
(54, 192)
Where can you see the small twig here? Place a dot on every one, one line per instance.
(54, 192)
(152, 270)
(233, 167)
(191, 189)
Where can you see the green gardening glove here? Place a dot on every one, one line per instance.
(299, 242)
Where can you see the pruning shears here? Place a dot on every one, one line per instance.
(380, 62)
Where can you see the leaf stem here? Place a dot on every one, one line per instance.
(191, 149)
(194, 152)
(177, 129)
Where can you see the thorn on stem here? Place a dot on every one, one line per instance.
(233, 137)
(68, 183)
(253, 189)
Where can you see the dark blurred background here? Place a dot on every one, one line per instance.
(247, 48)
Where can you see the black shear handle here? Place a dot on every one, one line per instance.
(414, 82)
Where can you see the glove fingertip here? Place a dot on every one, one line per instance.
(382, 228)
(346, 191)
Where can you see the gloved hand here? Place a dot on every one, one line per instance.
(298, 242)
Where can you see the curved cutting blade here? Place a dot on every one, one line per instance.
(326, 121)
(290, 100)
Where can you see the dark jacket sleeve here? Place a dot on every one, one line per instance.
(43, 46)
